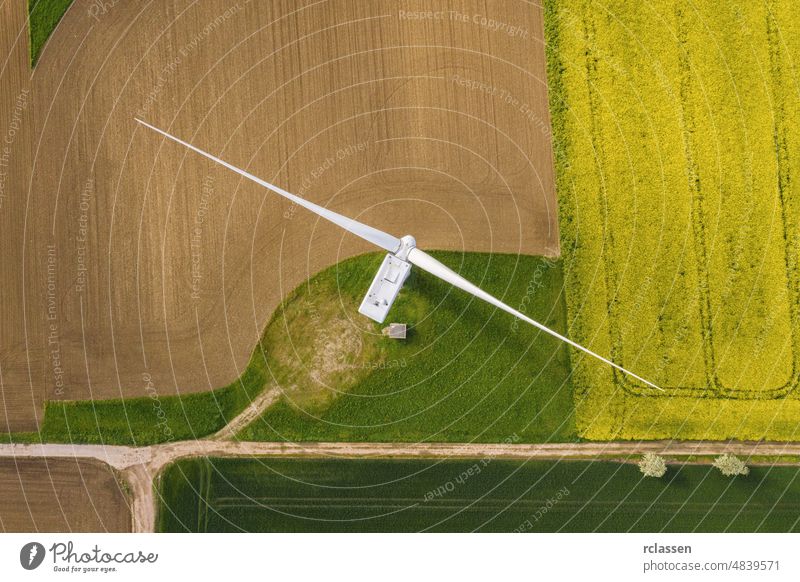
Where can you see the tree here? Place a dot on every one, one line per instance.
(651, 465)
(730, 465)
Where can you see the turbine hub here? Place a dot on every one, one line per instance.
(407, 243)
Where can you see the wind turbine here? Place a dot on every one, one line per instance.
(402, 254)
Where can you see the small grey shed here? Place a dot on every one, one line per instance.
(395, 331)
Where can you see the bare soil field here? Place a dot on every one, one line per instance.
(127, 256)
(20, 398)
(61, 495)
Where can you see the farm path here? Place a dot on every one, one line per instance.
(141, 465)
(259, 404)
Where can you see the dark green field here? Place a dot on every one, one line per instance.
(301, 495)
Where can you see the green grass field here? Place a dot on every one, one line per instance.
(300, 495)
(44, 16)
(145, 421)
(677, 135)
(466, 371)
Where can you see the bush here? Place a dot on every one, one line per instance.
(651, 465)
(731, 465)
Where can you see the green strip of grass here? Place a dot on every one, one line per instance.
(311, 495)
(20, 438)
(44, 16)
(145, 421)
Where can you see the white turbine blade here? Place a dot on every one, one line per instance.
(427, 263)
(368, 233)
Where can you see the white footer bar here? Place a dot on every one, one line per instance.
(399, 557)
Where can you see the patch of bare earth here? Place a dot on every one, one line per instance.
(61, 495)
(336, 362)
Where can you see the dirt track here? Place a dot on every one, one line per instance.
(138, 258)
(257, 407)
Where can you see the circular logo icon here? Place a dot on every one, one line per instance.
(31, 555)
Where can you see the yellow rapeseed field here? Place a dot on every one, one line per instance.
(677, 139)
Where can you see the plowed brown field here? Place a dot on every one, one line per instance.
(125, 255)
(61, 495)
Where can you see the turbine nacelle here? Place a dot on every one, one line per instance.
(387, 283)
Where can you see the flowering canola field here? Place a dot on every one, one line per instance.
(677, 143)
